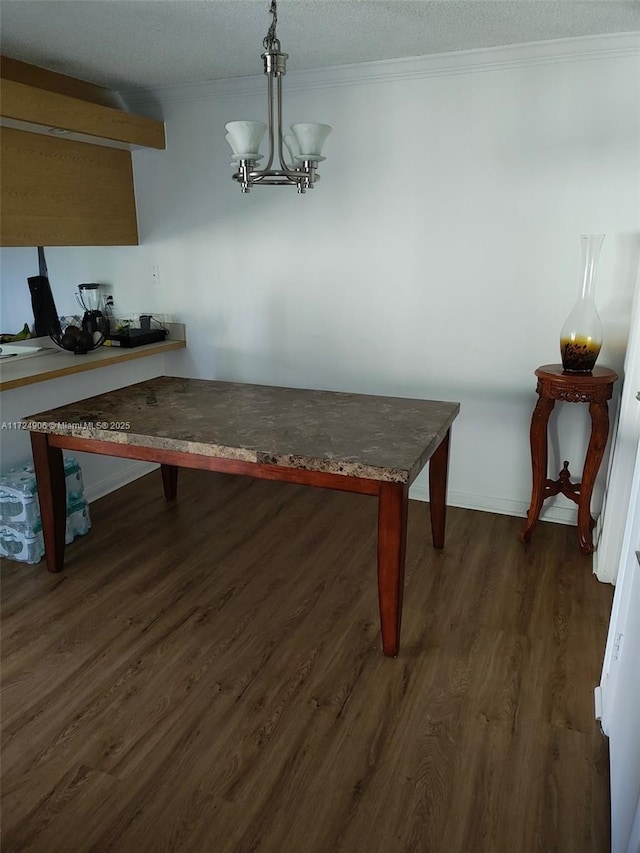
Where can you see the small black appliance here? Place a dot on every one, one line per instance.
(90, 299)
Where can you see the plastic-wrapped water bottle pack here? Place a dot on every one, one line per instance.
(20, 523)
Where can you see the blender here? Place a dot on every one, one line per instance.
(90, 299)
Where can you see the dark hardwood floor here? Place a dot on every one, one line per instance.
(206, 675)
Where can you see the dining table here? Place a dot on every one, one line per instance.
(364, 443)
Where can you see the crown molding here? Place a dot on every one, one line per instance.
(586, 48)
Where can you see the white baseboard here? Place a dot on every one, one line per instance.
(419, 492)
(502, 506)
(119, 478)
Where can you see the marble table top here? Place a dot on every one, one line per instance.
(380, 438)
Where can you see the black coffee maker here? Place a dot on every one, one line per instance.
(90, 299)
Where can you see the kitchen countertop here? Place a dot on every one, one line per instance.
(53, 362)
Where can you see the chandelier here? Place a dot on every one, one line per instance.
(303, 143)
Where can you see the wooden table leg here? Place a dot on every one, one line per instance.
(538, 436)
(597, 442)
(438, 473)
(393, 501)
(52, 496)
(169, 481)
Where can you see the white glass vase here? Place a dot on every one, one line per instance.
(581, 334)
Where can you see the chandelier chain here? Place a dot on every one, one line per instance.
(270, 40)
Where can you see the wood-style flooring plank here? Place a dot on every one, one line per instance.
(206, 675)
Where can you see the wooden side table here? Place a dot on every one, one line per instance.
(596, 389)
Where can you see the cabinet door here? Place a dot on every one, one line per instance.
(58, 192)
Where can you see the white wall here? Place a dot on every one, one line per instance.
(438, 257)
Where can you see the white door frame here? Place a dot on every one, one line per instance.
(620, 684)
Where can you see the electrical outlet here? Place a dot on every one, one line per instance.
(154, 274)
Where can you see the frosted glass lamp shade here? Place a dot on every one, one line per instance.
(246, 137)
(291, 144)
(310, 138)
(229, 140)
(234, 159)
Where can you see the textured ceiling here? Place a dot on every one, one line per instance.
(141, 43)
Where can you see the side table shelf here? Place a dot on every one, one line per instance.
(596, 389)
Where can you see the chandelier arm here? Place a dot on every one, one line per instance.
(273, 182)
(275, 179)
(254, 174)
(259, 176)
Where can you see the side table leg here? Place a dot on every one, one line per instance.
(169, 481)
(598, 441)
(438, 471)
(52, 496)
(538, 438)
(393, 501)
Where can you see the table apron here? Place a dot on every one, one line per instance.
(180, 459)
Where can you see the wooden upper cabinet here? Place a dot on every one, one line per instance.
(65, 151)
